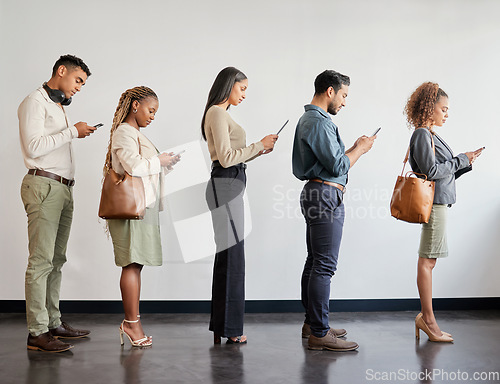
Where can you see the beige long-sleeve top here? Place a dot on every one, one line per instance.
(134, 153)
(46, 134)
(227, 140)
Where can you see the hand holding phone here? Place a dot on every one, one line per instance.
(475, 154)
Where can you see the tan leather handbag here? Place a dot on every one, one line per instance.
(122, 197)
(413, 196)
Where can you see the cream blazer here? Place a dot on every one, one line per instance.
(144, 162)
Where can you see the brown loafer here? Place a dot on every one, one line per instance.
(67, 332)
(306, 331)
(330, 342)
(47, 343)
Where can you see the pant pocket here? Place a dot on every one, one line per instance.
(34, 193)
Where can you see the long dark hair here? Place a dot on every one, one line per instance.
(221, 89)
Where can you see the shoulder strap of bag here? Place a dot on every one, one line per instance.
(140, 152)
(408, 153)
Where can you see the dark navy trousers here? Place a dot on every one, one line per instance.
(323, 210)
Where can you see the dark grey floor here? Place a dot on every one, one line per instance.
(183, 351)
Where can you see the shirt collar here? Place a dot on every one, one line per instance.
(310, 107)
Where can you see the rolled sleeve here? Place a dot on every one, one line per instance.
(326, 147)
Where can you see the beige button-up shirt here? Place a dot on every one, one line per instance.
(46, 134)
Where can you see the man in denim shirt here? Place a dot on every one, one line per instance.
(319, 156)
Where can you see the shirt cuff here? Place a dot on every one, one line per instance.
(156, 164)
(464, 160)
(74, 132)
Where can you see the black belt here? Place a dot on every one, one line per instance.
(53, 176)
(216, 163)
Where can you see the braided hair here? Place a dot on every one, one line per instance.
(122, 111)
(420, 105)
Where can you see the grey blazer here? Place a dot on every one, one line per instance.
(443, 168)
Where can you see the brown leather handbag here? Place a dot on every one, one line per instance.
(413, 196)
(122, 197)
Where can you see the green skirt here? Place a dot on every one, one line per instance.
(137, 241)
(433, 243)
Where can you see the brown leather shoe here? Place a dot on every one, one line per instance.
(67, 332)
(331, 343)
(47, 343)
(306, 331)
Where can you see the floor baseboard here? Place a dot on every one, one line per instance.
(265, 306)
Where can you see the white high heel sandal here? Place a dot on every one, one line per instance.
(144, 342)
(149, 337)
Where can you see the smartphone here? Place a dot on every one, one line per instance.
(98, 125)
(179, 153)
(286, 122)
(377, 131)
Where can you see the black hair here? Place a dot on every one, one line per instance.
(330, 78)
(221, 89)
(70, 62)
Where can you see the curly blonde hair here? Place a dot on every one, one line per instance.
(420, 105)
(123, 109)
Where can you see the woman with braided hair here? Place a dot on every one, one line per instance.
(427, 108)
(136, 242)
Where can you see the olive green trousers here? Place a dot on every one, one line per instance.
(49, 207)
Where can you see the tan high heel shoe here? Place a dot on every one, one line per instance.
(443, 332)
(421, 325)
(144, 342)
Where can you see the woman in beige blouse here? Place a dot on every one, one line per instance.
(137, 242)
(228, 150)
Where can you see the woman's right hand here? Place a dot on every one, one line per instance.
(473, 155)
(168, 160)
(269, 142)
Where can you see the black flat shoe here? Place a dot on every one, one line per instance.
(216, 339)
(237, 341)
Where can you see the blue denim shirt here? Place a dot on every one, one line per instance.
(318, 150)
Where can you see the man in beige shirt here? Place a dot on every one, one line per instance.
(46, 137)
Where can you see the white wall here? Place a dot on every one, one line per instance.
(387, 48)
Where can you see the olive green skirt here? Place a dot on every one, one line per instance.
(433, 243)
(137, 241)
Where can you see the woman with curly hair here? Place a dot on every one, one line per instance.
(427, 108)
